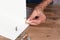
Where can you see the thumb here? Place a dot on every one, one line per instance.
(32, 16)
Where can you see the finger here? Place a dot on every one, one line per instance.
(36, 22)
(33, 23)
(27, 21)
(43, 18)
(30, 18)
(34, 13)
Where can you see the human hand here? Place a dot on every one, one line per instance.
(36, 18)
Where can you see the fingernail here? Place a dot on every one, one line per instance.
(28, 21)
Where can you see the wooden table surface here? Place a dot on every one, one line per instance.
(46, 31)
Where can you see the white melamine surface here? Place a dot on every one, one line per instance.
(12, 18)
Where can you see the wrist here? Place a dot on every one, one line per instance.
(38, 8)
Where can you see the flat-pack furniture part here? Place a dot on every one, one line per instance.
(12, 18)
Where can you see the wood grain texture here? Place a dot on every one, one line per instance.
(46, 31)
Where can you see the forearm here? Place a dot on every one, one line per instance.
(43, 5)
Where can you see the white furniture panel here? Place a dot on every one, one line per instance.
(12, 18)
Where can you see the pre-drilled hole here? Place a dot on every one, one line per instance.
(16, 28)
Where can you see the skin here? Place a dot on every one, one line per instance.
(38, 11)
